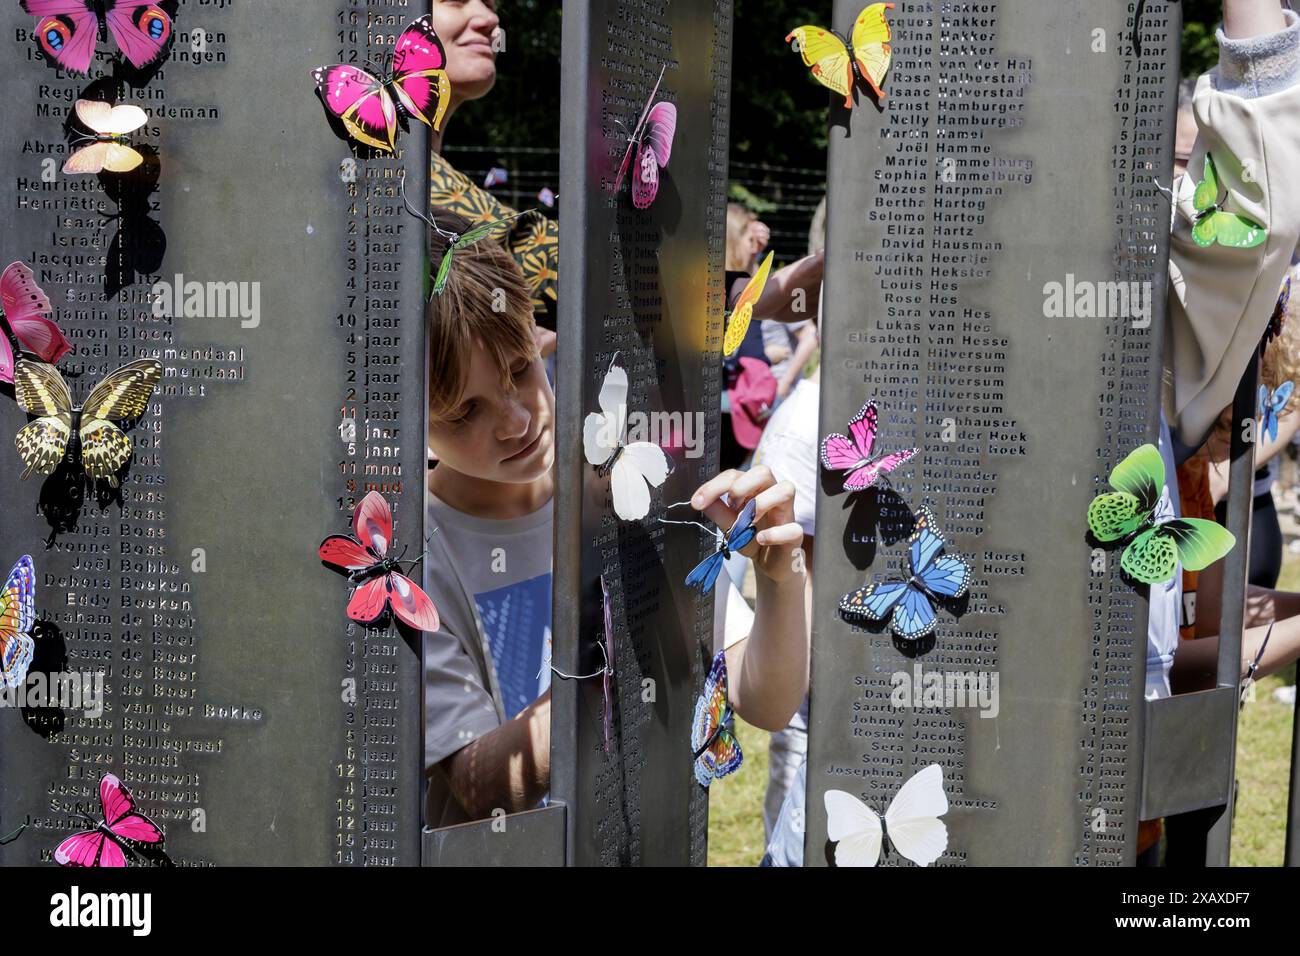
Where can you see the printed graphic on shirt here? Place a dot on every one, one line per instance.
(517, 621)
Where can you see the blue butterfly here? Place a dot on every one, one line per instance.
(742, 532)
(1270, 408)
(912, 602)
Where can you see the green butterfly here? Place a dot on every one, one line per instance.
(1213, 224)
(1153, 555)
(456, 242)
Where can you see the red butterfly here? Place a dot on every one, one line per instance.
(102, 846)
(378, 580)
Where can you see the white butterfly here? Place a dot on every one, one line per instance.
(107, 149)
(633, 468)
(911, 822)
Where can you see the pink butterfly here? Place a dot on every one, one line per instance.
(68, 30)
(418, 86)
(24, 308)
(379, 583)
(853, 455)
(102, 846)
(653, 139)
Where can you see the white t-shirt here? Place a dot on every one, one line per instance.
(1165, 599)
(789, 448)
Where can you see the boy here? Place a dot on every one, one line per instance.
(491, 427)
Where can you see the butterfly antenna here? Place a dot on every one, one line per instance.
(428, 220)
(1165, 191)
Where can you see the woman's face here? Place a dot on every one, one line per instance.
(467, 29)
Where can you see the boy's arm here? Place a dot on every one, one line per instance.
(1196, 664)
(768, 670)
(792, 292)
(803, 353)
(1243, 19)
(508, 768)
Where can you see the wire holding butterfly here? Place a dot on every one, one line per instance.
(606, 671)
(705, 574)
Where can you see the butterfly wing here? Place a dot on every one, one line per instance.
(912, 820)
(411, 605)
(603, 433)
(141, 28)
(853, 827)
(17, 616)
(642, 465)
(40, 390)
(706, 573)
(866, 477)
(1207, 190)
(926, 541)
(372, 522)
(360, 102)
(743, 531)
(839, 453)
(124, 394)
(110, 120)
(1151, 557)
(826, 55)
(98, 157)
(742, 312)
(1228, 229)
(26, 308)
(1200, 542)
(660, 129)
(121, 814)
(344, 551)
(369, 600)
(67, 31)
(91, 848)
(444, 270)
(645, 182)
(871, 36)
(420, 72)
(948, 576)
(914, 615)
(42, 444)
(1141, 474)
(874, 601)
(105, 448)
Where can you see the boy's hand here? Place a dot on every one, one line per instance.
(773, 548)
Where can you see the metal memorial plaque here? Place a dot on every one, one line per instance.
(996, 278)
(648, 285)
(272, 270)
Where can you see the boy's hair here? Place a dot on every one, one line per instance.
(485, 300)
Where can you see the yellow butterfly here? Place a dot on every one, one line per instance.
(108, 151)
(103, 447)
(835, 61)
(743, 311)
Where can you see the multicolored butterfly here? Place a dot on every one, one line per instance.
(377, 579)
(102, 845)
(69, 28)
(534, 240)
(1278, 320)
(1139, 511)
(24, 323)
(1211, 223)
(1271, 408)
(102, 447)
(742, 312)
(852, 456)
(108, 149)
(835, 60)
(417, 85)
(910, 604)
(653, 140)
(495, 177)
(17, 617)
(738, 538)
(714, 746)
(633, 469)
(911, 823)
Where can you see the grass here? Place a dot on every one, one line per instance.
(1263, 760)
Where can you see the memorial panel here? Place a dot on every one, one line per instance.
(270, 267)
(996, 275)
(645, 285)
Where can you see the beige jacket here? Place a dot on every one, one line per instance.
(1221, 299)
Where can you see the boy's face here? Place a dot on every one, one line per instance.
(497, 434)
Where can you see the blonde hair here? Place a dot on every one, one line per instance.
(817, 229)
(486, 301)
(1282, 354)
(738, 220)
